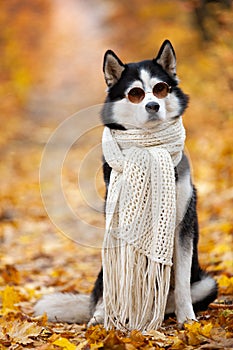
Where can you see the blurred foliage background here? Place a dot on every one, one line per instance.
(51, 67)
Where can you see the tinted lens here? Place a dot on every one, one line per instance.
(136, 95)
(161, 90)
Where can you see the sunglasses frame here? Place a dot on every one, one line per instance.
(137, 98)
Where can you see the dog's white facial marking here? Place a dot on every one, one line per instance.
(146, 80)
(172, 106)
(132, 115)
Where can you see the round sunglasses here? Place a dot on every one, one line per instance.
(137, 94)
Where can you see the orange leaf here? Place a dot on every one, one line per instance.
(11, 275)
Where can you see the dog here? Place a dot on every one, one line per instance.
(140, 95)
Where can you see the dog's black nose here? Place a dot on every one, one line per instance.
(152, 107)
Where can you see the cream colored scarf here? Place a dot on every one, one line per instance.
(140, 223)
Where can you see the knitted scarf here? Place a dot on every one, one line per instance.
(140, 223)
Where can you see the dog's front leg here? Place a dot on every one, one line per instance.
(182, 270)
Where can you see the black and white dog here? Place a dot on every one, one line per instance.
(140, 95)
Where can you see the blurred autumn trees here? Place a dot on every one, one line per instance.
(23, 27)
(210, 11)
(139, 28)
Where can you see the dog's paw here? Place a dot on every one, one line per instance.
(185, 314)
(95, 320)
(188, 321)
(181, 325)
(98, 316)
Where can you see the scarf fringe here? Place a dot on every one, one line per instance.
(134, 286)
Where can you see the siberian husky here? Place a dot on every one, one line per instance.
(140, 95)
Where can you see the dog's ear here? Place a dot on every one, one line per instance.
(167, 58)
(113, 68)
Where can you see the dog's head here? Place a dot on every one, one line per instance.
(144, 93)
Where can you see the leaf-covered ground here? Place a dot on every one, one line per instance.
(51, 68)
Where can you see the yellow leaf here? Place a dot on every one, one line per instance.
(64, 344)
(193, 326)
(226, 284)
(222, 248)
(97, 345)
(206, 330)
(10, 297)
(226, 227)
(197, 333)
(193, 333)
(178, 344)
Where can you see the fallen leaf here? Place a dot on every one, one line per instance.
(113, 341)
(194, 333)
(159, 338)
(206, 329)
(82, 345)
(96, 345)
(95, 333)
(225, 284)
(10, 274)
(64, 344)
(10, 298)
(21, 332)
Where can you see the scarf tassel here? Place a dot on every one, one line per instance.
(134, 286)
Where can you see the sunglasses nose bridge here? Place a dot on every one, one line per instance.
(150, 96)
